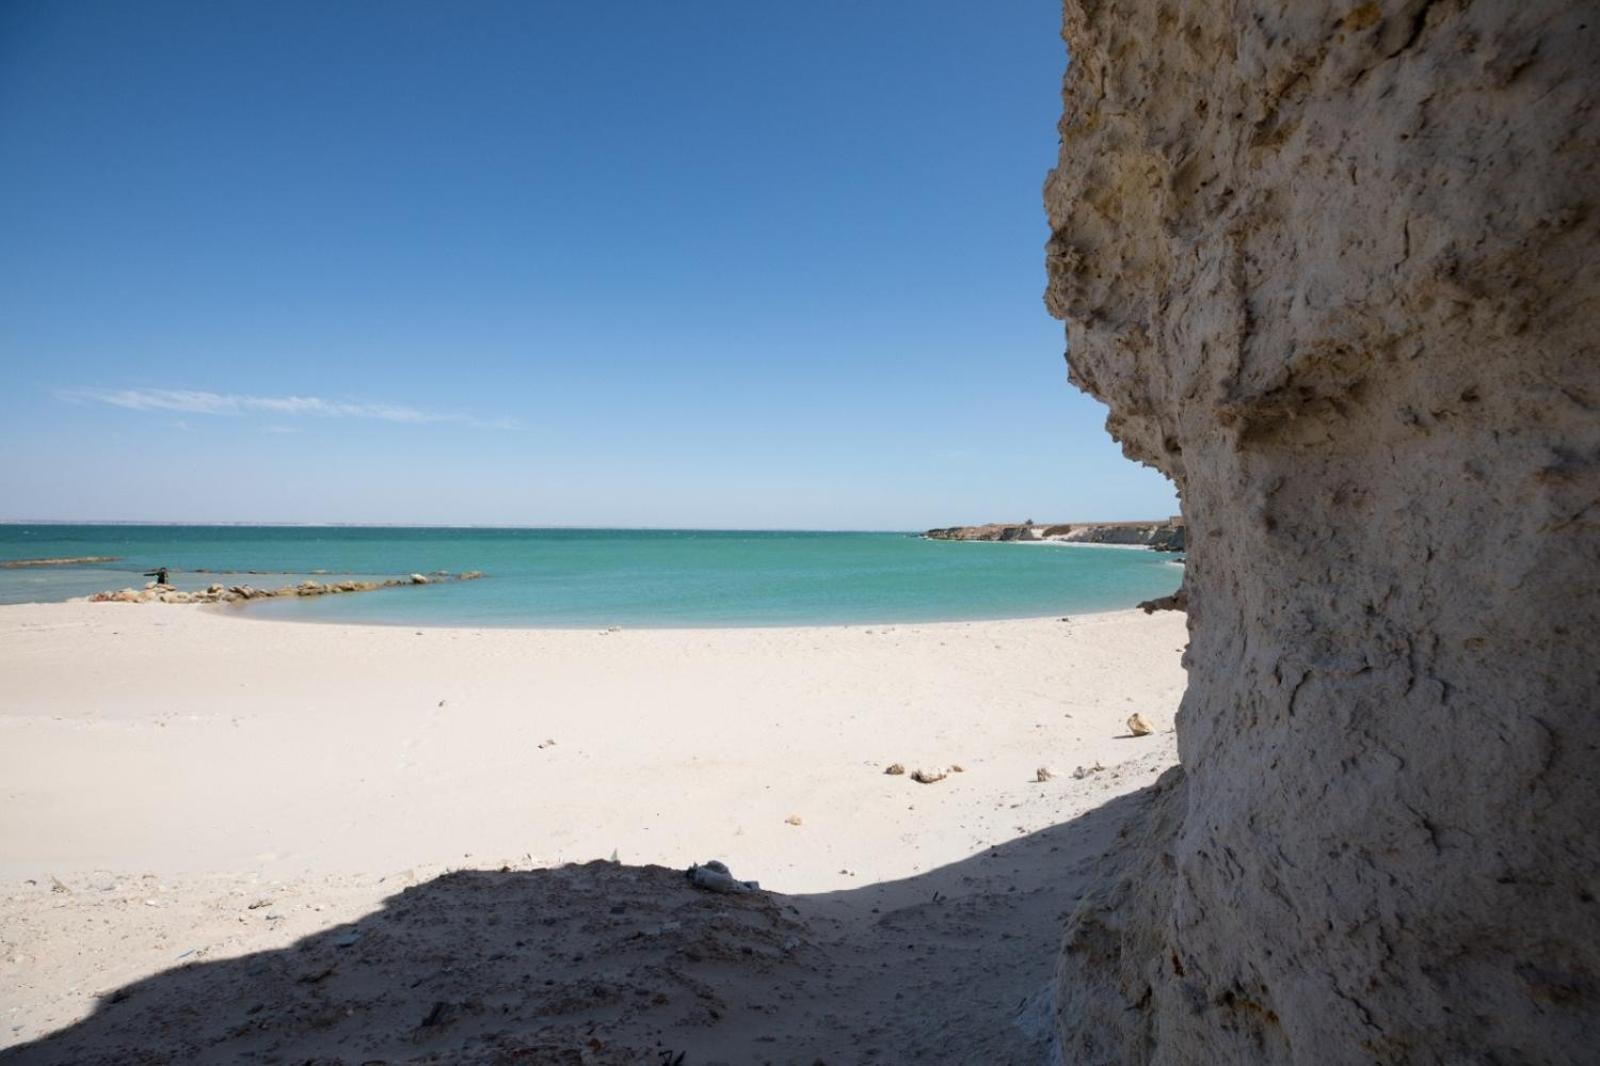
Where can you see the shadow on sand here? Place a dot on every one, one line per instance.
(606, 963)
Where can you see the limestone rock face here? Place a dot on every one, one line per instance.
(1334, 269)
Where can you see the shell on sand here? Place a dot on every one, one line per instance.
(1138, 726)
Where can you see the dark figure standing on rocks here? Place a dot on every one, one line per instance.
(159, 573)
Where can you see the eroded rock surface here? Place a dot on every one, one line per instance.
(1333, 269)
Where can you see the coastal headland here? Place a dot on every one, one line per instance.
(1167, 535)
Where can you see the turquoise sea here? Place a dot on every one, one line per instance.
(598, 577)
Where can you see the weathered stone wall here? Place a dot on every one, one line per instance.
(1336, 270)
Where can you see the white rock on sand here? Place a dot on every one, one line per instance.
(211, 790)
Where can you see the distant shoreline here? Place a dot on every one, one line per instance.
(1165, 535)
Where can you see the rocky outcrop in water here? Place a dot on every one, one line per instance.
(160, 592)
(1332, 268)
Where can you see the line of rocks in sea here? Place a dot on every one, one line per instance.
(159, 592)
(1159, 536)
(74, 560)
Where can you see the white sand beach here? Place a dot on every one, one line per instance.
(197, 807)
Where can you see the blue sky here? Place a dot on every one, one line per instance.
(688, 264)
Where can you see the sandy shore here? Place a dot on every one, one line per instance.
(199, 807)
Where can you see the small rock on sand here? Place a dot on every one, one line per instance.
(895, 768)
(793, 819)
(714, 875)
(927, 777)
(1138, 726)
(1042, 774)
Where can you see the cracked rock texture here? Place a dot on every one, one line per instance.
(1336, 270)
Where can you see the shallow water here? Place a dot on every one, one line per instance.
(584, 577)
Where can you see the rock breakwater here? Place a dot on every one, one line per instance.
(158, 592)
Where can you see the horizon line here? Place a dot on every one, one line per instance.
(514, 526)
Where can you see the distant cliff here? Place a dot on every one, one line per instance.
(1161, 536)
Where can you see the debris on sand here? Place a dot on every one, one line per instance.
(1138, 726)
(957, 768)
(1084, 771)
(714, 876)
(928, 777)
(1043, 774)
(793, 819)
(895, 769)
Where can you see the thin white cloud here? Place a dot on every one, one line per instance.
(201, 402)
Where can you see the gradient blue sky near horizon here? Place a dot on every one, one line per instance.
(711, 264)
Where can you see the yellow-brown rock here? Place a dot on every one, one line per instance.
(1332, 268)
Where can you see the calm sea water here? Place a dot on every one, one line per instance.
(585, 577)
